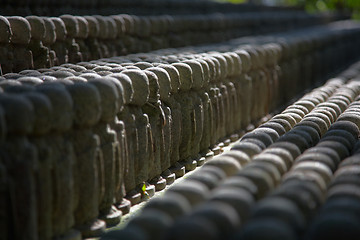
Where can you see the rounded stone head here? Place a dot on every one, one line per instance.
(129, 23)
(50, 31)
(174, 76)
(125, 81)
(245, 60)
(164, 81)
(109, 98)
(30, 80)
(154, 93)
(112, 28)
(185, 73)
(103, 27)
(60, 28)
(197, 74)
(19, 114)
(86, 100)
(140, 84)
(206, 70)
(237, 65)
(42, 112)
(120, 91)
(71, 24)
(83, 27)
(93, 26)
(5, 30)
(62, 105)
(223, 65)
(212, 68)
(21, 30)
(120, 24)
(37, 27)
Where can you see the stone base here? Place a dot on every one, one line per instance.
(234, 137)
(159, 183)
(200, 161)
(170, 178)
(227, 142)
(150, 189)
(250, 127)
(124, 206)
(190, 165)
(112, 217)
(209, 154)
(94, 229)
(134, 197)
(216, 150)
(178, 169)
(72, 234)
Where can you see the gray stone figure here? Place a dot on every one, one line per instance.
(20, 159)
(50, 39)
(102, 36)
(154, 112)
(110, 38)
(86, 143)
(198, 83)
(245, 86)
(42, 125)
(175, 111)
(21, 35)
(6, 54)
(221, 95)
(232, 106)
(109, 146)
(59, 46)
(210, 99)
(166, 115)
(129, 142)
(118, 41)
(207, 109)
(64, 161)
(140, 84)
(72, 29)
(121, 163)
(235, 90)
(215, 103)
(39, 52)
(187, 111)
(81, 38)
(92, 40)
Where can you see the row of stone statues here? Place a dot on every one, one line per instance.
(137, 7)
(295, 176)
(81, 142)
(34, 42)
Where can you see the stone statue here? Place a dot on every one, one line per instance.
(39, 52)
(6, 54)
(140, 85)
(109, 146)
(130, 145)
(72, 29)
(19, 157)
(21, 35)
(59, 46)
(86, 143)
(50, 39)
(64, 160)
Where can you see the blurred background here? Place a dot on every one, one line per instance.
(312, 6)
